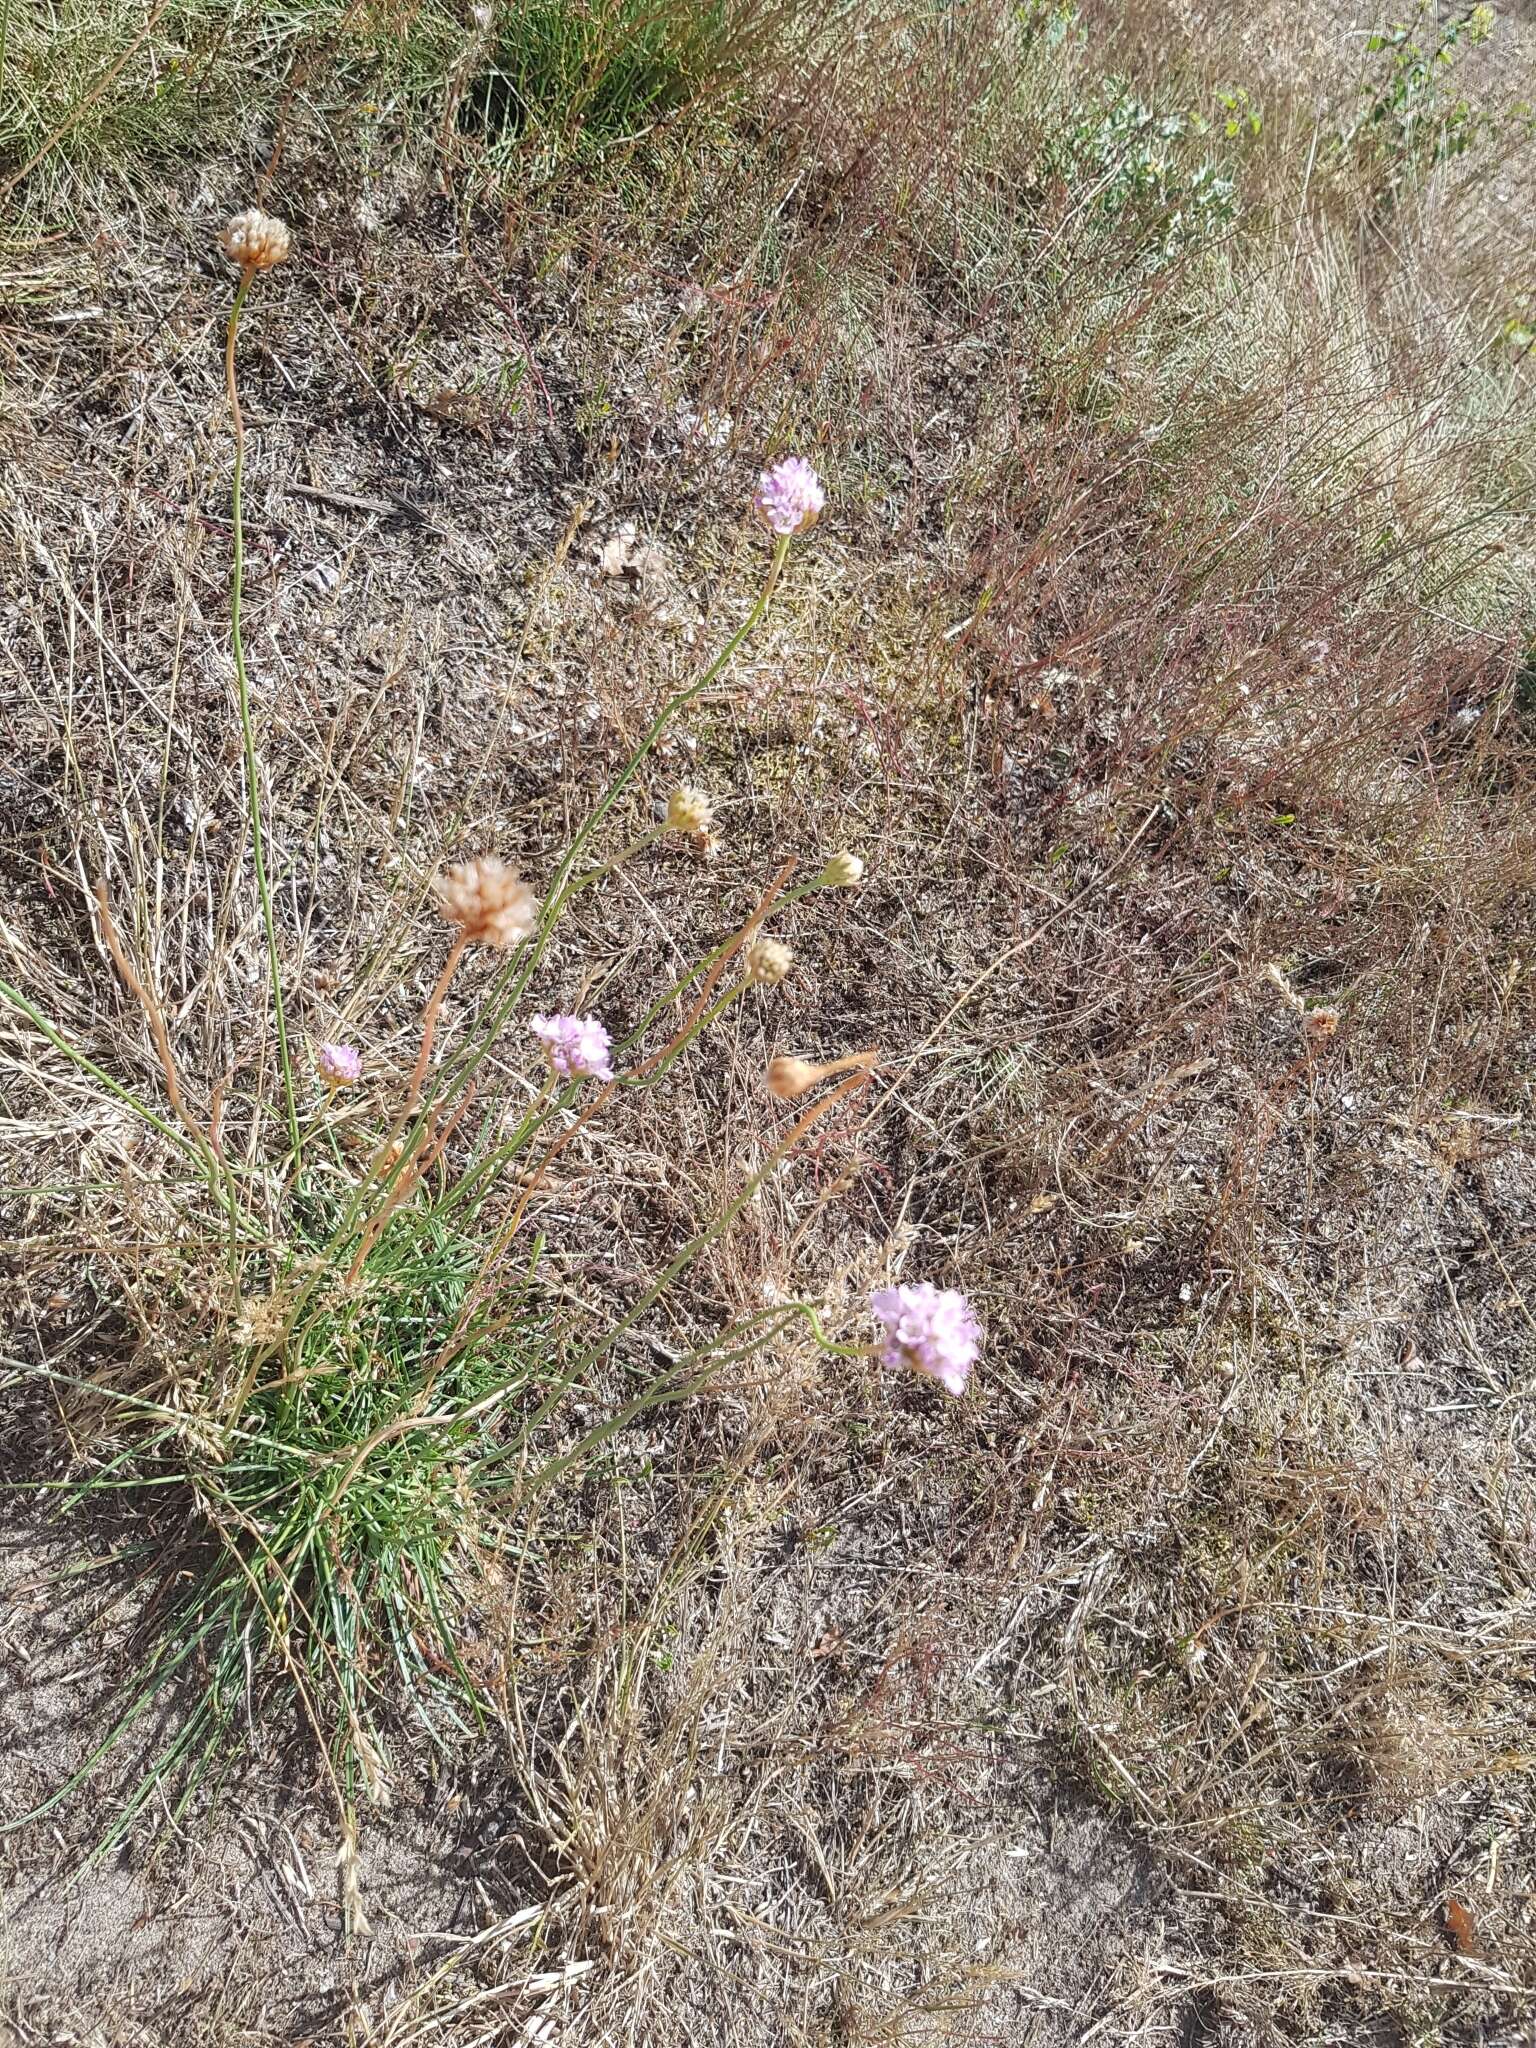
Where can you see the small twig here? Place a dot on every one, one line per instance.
(345, 501)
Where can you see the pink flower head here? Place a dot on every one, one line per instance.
(576, 1046)
(934, 1330)
(789, 497)
(340, 1065)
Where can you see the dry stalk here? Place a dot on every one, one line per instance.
(156, 1022)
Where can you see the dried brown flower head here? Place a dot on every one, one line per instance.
(256, 240)
(789, 1077)
(488, 902)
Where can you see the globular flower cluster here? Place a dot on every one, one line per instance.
(488, 901)
(842, 871)
(256, 240)
(578, 1047)
(789, 497)
(689, 810)
(340, 1065)
(931, 1329)
(766, 961)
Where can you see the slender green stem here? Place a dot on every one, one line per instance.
(712, 1015)
(521, 968)
(607, 867)
(702, 967)
(473, 1183)
(660, 722)
(247, 728)
(690, 1251)
(506, 991)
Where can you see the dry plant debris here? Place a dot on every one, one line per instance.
(1159, 631)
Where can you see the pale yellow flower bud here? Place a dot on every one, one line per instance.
(767, 961)
(488, 902)
(256, 240)
(689, 810)
(842, 871)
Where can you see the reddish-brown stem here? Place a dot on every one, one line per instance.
(410, 1177)
(429, 1022)
(231, 388)
(381, 1156)
(847, 1063)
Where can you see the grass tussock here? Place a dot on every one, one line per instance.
(517, 88)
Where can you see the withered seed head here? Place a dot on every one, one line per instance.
(488, 901)
(256, 240)
(689, 810)
(789, 1077)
